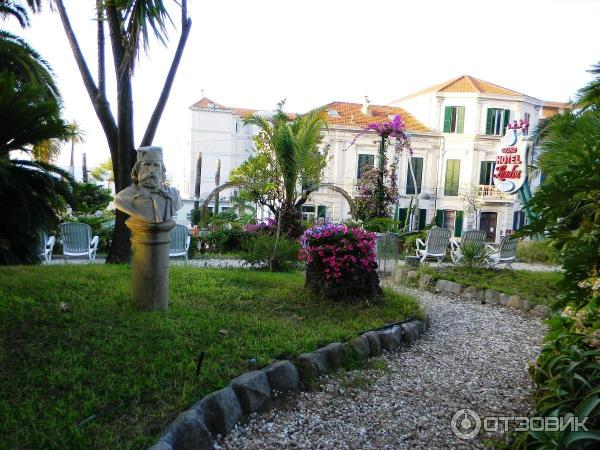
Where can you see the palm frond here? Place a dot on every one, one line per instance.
(10, 8)
(27, 65)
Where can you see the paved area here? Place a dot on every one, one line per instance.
(475, 356)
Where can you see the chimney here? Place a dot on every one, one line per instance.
(366, 107)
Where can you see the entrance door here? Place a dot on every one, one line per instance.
(487, 223)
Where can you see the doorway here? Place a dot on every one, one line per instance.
(487, 223)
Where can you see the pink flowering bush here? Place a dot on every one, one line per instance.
(340, 262)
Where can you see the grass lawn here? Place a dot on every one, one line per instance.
(103, 375)
(537, 287)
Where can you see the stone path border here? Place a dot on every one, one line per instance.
(220, 411)
(424, 281)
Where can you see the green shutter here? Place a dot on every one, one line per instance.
(402, 216)
(489, 124)
(505, 122)
(422, 218)
(485, 173)
(460, 121)
(418, 168)
(458, 223)
(439, 218)
(321, 211)
(447, 118)
(452, 177)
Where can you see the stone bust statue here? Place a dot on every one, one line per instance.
(148, 199)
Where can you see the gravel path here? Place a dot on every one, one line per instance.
(475, 356)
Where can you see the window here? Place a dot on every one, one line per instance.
(526, 117)
(453, 220)
(417, 164)
(365, 163)
(321, 211)
(454, 119)
(497, 119)
(452, 177)
(308, 212)
(486, 173)
(518, 220)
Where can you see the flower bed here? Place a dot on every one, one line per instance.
(340, 262)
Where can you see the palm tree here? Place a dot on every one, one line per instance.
(27, 65)
(131, 24)
(10, 8)
(47, 151)
(30, 191)
(293, 146)
(589, 95)
(76, 136)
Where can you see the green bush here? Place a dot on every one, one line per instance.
(410, 241)
(261, 253)
(227, 241)
(474, 256)
(103, 226)
(535, 251)
(382, 225)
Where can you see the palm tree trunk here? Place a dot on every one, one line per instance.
(198, 181)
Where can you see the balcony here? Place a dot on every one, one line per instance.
(490, 193)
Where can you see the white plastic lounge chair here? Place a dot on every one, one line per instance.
(46, 246)
(506, 253)
(435, 245)
(471, 237)
(77, 240)
(180, 242)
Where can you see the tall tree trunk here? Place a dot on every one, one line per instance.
(198, 181)
(84, 171)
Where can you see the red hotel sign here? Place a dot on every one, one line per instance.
(510, 170)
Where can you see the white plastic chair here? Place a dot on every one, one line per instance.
(77, 240)
(471, 237)
(180, 242)
(506, 253)
(46, 246)
(435, 245)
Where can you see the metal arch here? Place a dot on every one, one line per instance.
(343, 193)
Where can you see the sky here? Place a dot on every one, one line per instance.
(255, 53)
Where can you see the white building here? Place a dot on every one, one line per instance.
(455, 132)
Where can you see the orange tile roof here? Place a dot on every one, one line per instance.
(465, 83)
(350, 114)
(550, 109)
(205, 102)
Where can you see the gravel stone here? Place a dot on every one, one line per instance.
(474, 356)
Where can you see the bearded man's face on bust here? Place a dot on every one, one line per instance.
(150, 175)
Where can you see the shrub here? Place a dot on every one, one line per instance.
(262, 253)
(382, 225)
(227, 240)
(340, 262)
(474, 256)
(410, 241)
(535, 251)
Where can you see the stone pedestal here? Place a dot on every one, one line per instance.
(150, 263)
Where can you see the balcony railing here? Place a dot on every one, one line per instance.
(490, 192)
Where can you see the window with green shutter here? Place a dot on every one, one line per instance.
(422, 219)
(321, 211)
(452, 177)
(365, 163)
(486, 173)
(458, 224)
(402, 213)
(454, 119)
(496, 121)
(417, 164)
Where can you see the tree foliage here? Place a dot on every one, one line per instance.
(287, 165)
